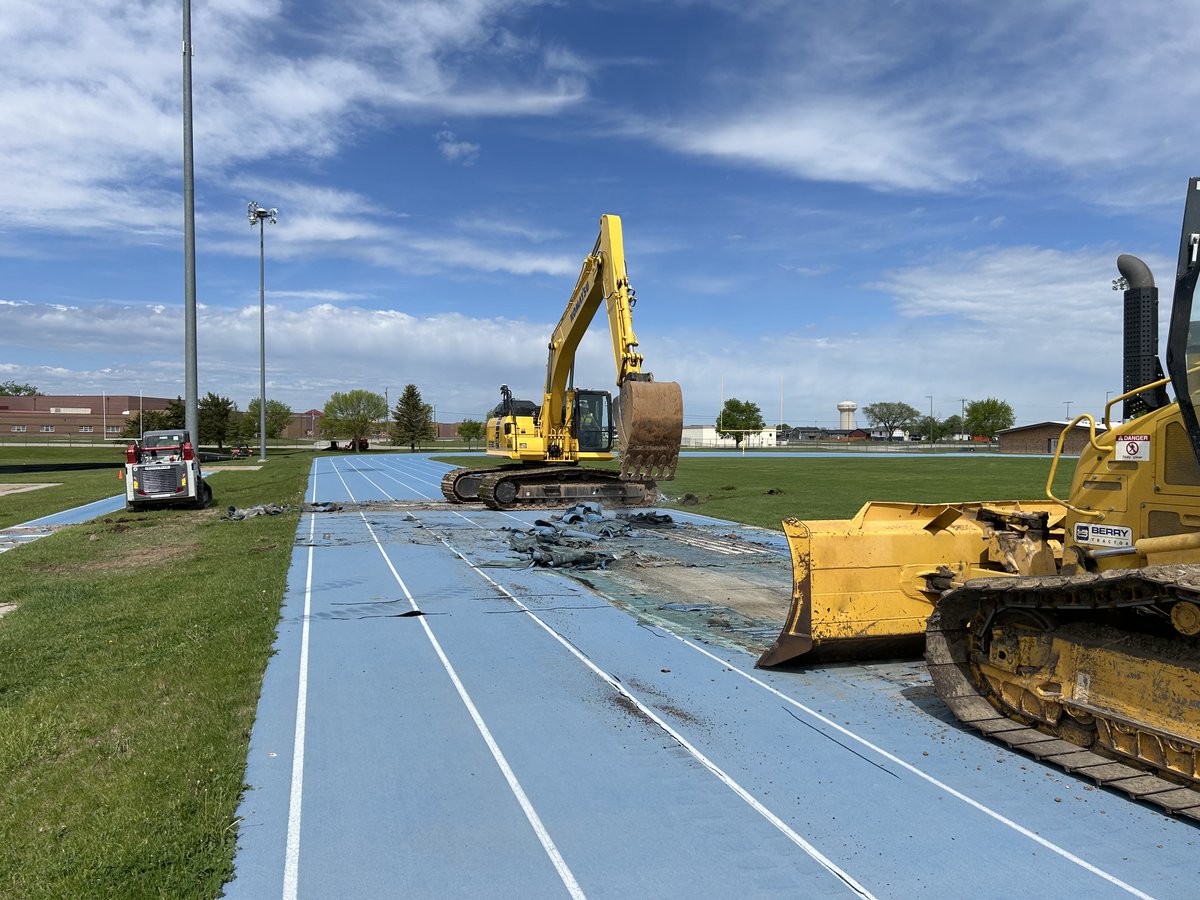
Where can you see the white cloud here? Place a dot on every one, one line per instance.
(843, 139)
(90, 122)
(321, 296)
(874, 95)
(320, 221)
(1032, 326)
(454, 150)
(458, 361)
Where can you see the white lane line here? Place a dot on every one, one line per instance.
(410, 474)
(891, 757)
(291, 865)
(715, 545)
(716, 770)
(470, 521)
(999, 817)
(535, 821)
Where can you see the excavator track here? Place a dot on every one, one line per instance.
(544, 487)
(975, 631)
(551, 487)
(462, 485)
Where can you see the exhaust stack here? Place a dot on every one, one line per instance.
(1142, 364)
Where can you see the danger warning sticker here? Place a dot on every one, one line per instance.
(1133, 447)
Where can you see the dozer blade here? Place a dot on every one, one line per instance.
(649, 419)
(862, 588)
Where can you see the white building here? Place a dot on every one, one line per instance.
(706, 436)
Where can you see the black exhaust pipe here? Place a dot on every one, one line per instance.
(1142, 365)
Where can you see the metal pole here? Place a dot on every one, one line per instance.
(262, 348)
(190, 388)
(930, 420)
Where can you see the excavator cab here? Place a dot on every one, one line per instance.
(592, 421)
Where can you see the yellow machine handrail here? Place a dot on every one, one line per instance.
(1125, 396)
(1062, 439)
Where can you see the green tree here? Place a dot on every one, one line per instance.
(13, 389)
(175, 414)
(951, 426)
(147, 420)
(890, 415)
(278, 416)
(243, 430)
(470, 430)
(412, 419)
(738, 417)
(216, 418)
(986, 417)
(155, 419)
(353, 414)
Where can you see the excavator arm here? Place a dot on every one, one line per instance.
(602, 279)
(648, 414)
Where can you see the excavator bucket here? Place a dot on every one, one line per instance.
(649, 419)
(862, 588)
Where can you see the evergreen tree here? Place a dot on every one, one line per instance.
(216, 419)
(412, 419)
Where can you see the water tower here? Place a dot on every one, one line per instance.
(847, 408)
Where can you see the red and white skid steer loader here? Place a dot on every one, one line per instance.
(162, 469)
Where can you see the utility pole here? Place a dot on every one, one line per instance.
(930, 398)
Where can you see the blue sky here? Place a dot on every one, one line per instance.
(822, 201)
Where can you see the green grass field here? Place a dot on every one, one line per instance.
(766, 491)
(131, 667)
(129, 679)
(71, 489)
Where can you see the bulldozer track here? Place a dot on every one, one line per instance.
(948, 651)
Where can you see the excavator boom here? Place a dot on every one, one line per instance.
(648, 415)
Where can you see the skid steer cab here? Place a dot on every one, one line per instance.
(162, 470)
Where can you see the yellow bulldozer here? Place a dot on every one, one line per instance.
(1068, 628)
(546, 442)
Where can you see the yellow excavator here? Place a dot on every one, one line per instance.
(1066, 628)
(547, 442)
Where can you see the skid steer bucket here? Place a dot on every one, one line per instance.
(649, 419)
(862, 588)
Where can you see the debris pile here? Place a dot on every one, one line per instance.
(571, 540)
(263, 509)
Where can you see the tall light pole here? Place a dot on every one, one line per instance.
(1068, 403)
(930, 399)
(256, 214)
(191, 391)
